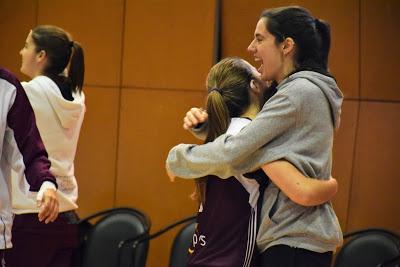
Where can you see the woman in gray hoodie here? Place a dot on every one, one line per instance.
(295, 125)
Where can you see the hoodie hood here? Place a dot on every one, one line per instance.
(68, 112)
(328, 86)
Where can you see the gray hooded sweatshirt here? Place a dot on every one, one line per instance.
(297, 125)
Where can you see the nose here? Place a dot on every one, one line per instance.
(20, 52)
(250, 48)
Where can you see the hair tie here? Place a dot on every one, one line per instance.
(218, 90)
(71, 44)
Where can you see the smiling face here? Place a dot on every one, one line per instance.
(266, 51)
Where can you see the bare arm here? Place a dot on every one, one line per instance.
(299, 188)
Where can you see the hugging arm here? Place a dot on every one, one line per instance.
(232, 155)
(299, 188)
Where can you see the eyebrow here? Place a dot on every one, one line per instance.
(258, 35)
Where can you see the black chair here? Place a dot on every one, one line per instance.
(102, 241)
(181, 244)
(369, 247)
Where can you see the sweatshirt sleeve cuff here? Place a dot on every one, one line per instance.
(46, 185)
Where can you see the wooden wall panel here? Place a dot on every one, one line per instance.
(374, 200)
(97, 25)
(96, 156)
(240, 18)
(238, 23)
(17, 17)
(161, 51)
(168, 44)
(151, 124)
(343, 152)
(380, 23)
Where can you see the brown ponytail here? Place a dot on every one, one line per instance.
(218, 123)
(228, 85)
(61, 51)
(77, 67)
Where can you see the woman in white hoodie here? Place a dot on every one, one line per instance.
(59, 106)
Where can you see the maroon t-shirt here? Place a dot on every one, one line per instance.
(226, 231)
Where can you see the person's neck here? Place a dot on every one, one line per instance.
(287, 68)
(36, 74)
(251, 112)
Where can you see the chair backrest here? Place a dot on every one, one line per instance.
(181, 244)
(102, 241)
(369, 247)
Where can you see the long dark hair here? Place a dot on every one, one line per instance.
(60, 51)
(311, 36)
(228, 87)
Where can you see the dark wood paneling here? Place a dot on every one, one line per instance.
(380, 54)
(168, 44)
(374, 200)
(96, 155)
(343, 153)
(151, 124)
(97, 25)
(17, 17)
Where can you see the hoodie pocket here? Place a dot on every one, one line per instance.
(273, 208)
(270, 204)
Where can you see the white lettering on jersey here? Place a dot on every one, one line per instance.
(201, 239)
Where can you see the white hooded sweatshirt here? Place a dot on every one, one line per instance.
(59, 122)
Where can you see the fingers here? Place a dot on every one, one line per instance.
(48, 207)
(194, 117)
(332, 179)
(187, 124)
(334, 183)
(170, 174)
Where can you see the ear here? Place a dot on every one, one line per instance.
(41, 56)
(288, 46)
(254, 87)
